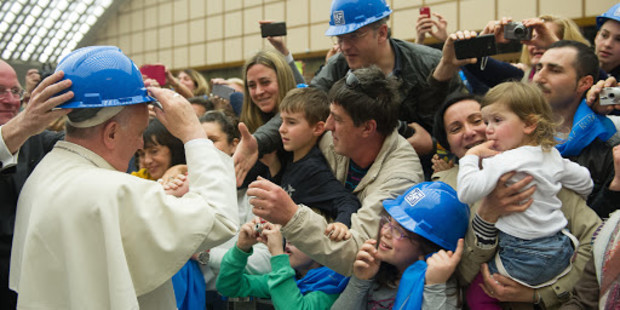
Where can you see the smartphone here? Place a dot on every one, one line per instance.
(156, 72)
(273, 29)
(222, 91)
(479, 46)
(426, 11)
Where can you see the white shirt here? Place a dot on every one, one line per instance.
(550, 171)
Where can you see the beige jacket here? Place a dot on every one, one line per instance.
(582, 222)
(90, 237)
(396, 168)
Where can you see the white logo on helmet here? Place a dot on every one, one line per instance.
(617, 12)
(339, 18)
(414, 197)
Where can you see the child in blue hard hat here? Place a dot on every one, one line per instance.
(392, 273)
(607, 41)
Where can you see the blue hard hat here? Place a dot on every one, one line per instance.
(102, 76)
(433, 211)
(613, 13)
(350, 15)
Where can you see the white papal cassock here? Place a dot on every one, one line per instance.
(90, 237)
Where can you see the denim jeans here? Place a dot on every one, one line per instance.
(533, 262)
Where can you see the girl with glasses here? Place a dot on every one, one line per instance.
(410, 266)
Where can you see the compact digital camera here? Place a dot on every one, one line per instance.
(609, 96)
(517, 31)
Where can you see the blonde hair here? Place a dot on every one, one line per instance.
(202, 87)
(526, 100)
(567, 30)
(251, 115)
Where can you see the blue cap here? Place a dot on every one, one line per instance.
(433, 211)
(613, 13)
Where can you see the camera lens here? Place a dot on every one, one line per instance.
(612, 95)
(519, 30)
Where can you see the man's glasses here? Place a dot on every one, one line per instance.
(349, 37)
(396, 230)
(15, 92)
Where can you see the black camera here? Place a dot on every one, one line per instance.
(517, 31)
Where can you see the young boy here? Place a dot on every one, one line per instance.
(307, 177)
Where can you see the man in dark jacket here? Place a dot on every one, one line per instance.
(360, 29)
(565, 72)
(21, 149)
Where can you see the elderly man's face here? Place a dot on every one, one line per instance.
(133, 126)
(9, 103)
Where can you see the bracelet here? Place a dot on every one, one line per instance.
(535, 300)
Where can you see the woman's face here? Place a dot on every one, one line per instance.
(157, 159)
(186, 80)
(464, 126)
(396, 246)
(219, 138)
(262, 84)
(536, 52)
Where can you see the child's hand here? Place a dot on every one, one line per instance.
(337, 231)
(247, 236)
(442, 264)
(440, 164)
(483, 150)
(366, 263)
(272, 237)
(176, 186)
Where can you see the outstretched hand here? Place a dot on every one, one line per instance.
(246, 154)
(271, 202)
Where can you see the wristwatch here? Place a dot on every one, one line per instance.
(203, 257)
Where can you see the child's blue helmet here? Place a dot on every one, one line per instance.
(613, 13)
(433, 211)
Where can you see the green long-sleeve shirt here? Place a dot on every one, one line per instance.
(279, 285)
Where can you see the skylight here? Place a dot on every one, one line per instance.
(44, 30)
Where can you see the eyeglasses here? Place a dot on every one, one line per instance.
(396, 230)
(15, 92)
(349, 37)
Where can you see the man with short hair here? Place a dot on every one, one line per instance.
(365, 152)
(565, 72)
(89, 235)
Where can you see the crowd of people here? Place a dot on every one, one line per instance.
(399, 177)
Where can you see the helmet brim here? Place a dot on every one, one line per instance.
(111, 103)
